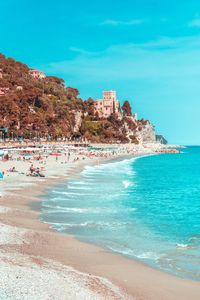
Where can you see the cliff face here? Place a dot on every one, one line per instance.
(78, 115)
(43, 106)
(146, 134)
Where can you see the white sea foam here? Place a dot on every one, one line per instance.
(61, 209)
(125, 165)
(127, 183)
(131, 252)
(88, 224)
(75, 187)
(95, 210)
(81, 183)
(149, 255)
(183, 246)
(65, 193)
(58, 192)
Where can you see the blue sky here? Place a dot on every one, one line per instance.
(147, 50)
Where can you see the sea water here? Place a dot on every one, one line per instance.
(146, 208)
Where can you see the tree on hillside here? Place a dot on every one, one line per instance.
(126, 108)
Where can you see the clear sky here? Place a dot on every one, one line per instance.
(146, 50)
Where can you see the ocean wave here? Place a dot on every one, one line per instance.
(80, 183)
(130, 252)
(89, 224)
(195, 238)
(58, 192)
(57, 209)
(75, 187)
(96, 210)
(125, 165)
(66, 193)
(184, 246)
(149, 255)
(127, 183)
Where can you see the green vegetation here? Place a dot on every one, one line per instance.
(33, 107)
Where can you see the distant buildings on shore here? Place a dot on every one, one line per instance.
(108, 105)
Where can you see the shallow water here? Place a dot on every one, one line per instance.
(147, 208)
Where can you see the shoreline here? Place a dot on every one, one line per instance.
(135, 279)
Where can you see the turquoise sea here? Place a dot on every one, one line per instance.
(146, 208)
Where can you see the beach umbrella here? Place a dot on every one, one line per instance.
(56, 154)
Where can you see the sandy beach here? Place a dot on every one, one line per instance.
(39, 263)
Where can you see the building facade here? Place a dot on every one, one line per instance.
(108, 105)
(37, 74)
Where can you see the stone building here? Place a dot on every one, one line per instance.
(108, 105)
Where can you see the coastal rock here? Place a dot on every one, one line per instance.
(146, 133)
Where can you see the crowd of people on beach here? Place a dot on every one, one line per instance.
(35, 161)
(41, 157)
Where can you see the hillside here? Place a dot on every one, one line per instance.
(37, 106)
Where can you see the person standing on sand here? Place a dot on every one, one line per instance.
(68, 155)
(1, 178)
(32, 169)
(65, 157)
